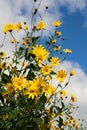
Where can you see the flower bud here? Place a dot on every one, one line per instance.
(46, 7)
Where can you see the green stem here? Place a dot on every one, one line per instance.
(16, 60)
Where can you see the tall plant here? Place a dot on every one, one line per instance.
(29, 98)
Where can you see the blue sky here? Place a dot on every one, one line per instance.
(73, 14)
(75, 34)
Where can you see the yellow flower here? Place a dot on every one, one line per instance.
(73, 98)
(53, 40)
(72, 73)
(67, 50)
(13, 41)
(25, 27)
(48, 110)
(57, 48)
(28, 39)
(13, 69)
(45, 70)
(31, 90)
(0, 66)
(74, 122)
(53, 114)
(39, 82)
(48, 89)
(18, 26)
(48, 77)
(40, 52)
(5, 117)
(23, 42)
(61, 75)
(41, 25)
(8, 27)
(58, 33)
(2, 54)
(63, 92)
(6, 94)
(27, 47)
(55, 61)
(56, 23)
(18, 83)
(77, 126)
(9, 86)
(61, 115)
(66, 122)
(3, 65)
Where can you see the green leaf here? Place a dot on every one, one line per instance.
(47, 43)
(38, 121)
(30, 75)
(40, 104)
(5, 78)
(29, 56)
(52, 72)
(59, 85)
(34, 39)
(34, 67)
(8, 125)
(63, 105)
(20, 52)
(59, 110)
(12, 102)
(21, 49)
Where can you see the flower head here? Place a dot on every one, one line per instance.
(66, 122)
(56, 23)
(45, 70)
(25, 27)
(31, 89)
(58, 33)
(63, 92)
(40, 52)
(53, 40)
(73, 98)
(8, 27)
(41, 25)
(67, 50)
(72, 73)
(2, 54)
(5, 117)
(57, 48)
(55, 61)
(61, 75)
(48, 89)
(13, 41)
(9, 86)
(18, 26)
(18, 83)
(3, 65)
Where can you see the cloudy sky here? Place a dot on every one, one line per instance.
(73, 14)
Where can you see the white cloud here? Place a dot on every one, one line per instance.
(73, 5)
